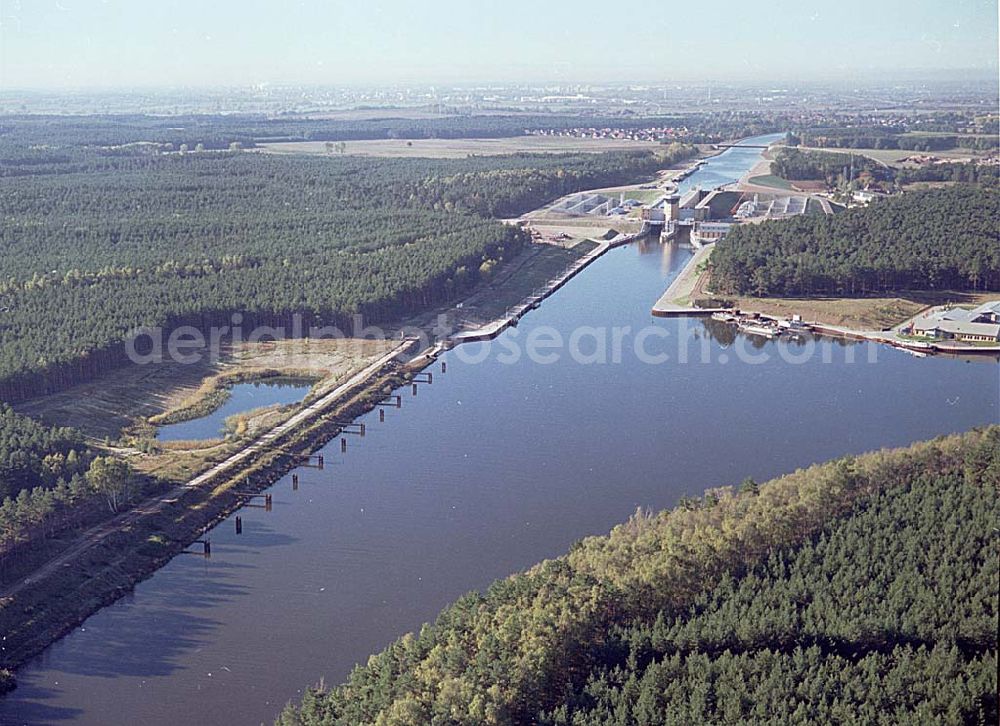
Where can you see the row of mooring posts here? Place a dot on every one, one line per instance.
(316, 461)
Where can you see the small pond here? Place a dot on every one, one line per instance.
(243, 397)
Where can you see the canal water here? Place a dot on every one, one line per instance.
(243, 397)
(498, 464)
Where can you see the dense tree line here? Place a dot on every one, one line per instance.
(34, 455)
(48, 477)
(82, 494)
(878, 137)
(966, 173)
(94, 252)
(921, 142)
(888, 616)
(934, 239)
(800, 164)
(37, 513)
(832, 591)
(834, 167)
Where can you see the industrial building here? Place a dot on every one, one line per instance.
(981, 325)
(709, 215)
(705, 233)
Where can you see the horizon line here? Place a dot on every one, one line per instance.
(908, 76)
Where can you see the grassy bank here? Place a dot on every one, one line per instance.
(135, 398)
(770, 180)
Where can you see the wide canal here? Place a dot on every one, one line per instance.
(500, 463)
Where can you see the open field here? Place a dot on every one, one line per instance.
(759, 177)
(771, 181)
(811, 185)
(119, 399)
(106, 405)
(459, 148)
(916, 186)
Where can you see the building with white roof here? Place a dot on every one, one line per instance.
(980, 325)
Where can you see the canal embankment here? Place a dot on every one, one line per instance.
(512, 316)
(676, 300)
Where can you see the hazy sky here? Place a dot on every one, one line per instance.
(58, 43)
